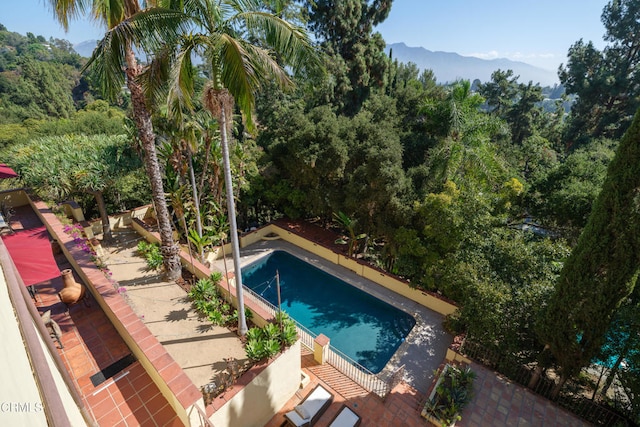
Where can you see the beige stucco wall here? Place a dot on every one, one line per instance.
(430, 301)
(14, 198)
(269, 391)
(453, 356)
(20, 402)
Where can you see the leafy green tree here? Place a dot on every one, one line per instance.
(355, 55)
(60, 167)
(411, 91)
(522, 115)
(128, 24)
(375, 182)
(602, 270)
(307, 155)
(435, 233)
(606, 82)
(564, 195)
(500, 92)
(514, 102)
(465, 148)
(512, 277)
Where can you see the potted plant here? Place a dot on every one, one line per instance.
(452, 391)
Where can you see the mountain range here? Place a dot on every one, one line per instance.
(85, 48)
(450, 66)
(447, 66)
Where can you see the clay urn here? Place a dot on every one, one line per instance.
(72, 291)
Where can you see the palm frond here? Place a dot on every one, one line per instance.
(155, 28)
(66, 10)
(153, 79)
(181, 81)
(289, 41)
(108, 63)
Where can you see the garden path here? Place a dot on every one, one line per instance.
(195, 344)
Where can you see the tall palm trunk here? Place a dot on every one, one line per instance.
(102, 208)
(142, 117)
(231, 209)
(196, 200)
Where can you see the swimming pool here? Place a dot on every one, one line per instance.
(361, 326)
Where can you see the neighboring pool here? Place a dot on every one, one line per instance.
(361, 326)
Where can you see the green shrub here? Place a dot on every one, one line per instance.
(143, 248)
(204, 289)
(151, 253)
(454, 391)
(217, 318)
(268, 341)
(271, 331)
(254, 350)
(154, 258)
(288, 332)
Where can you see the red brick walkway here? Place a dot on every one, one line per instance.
(91, 343)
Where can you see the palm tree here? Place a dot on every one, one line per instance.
(236, 38)
(465, 149)
(128, 25)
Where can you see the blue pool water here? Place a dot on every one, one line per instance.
(361, 326)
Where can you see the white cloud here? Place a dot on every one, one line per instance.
(485, 55)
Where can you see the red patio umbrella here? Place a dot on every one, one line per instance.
(7, 172)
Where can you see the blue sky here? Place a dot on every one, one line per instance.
(539, 32)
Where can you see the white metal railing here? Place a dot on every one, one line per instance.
(358, 373)
(343, 363)
(263, 303)
(306, 336)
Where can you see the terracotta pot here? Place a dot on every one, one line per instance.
(73, 291)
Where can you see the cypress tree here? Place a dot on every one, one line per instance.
(602, 269)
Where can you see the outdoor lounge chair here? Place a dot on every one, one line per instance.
(345, 418)
(311, 408)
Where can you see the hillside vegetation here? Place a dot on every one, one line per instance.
(478, 191)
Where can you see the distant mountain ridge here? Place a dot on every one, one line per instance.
(450, 66)
(447, 66)
(85, 48)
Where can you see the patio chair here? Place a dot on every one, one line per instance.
(345, 418)
(311, 408)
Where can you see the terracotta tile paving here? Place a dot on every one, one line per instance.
(400, 408)
(91, 343)
(499, 402)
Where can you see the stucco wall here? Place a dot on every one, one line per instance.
(426, 299)
(269, 391)
(14, 198)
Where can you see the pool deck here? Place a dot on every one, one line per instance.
(425, 346)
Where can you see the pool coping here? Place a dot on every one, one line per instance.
(396, 344)
(425, 346)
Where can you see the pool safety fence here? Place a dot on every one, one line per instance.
(358, 373)
(343, 363)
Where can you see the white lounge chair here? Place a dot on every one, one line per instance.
(311, 408)
(345, 418)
